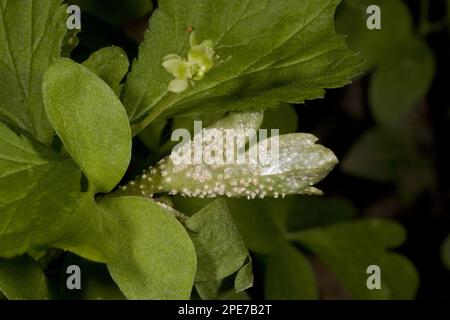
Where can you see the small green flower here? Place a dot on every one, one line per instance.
(176, 66)
(180, 70)
(200, 60)
(200, 57)
(178, 85)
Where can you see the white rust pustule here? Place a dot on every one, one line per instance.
(301, 164)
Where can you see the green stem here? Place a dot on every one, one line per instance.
(154, 113)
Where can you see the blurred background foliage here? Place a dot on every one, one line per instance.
(391, 131)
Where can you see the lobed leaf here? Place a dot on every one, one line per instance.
(348, 249)
(218, 244)
(256, 220)
(268, 52)
(388, 154)
(22, 279)
(147, 251)
(110, 64)
(393, 91)
(394, 52)
(231, 288)
(31, 35)
(374, 45)
(40, 189)
(155, 259)
(289, 276)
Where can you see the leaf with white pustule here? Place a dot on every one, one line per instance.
(294, 169)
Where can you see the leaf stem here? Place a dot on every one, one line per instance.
(153, 114)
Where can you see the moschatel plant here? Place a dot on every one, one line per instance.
(66, 141)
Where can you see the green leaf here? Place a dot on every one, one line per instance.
(445, 252)
(231, 288)
(22, 279)
(293, 167)
(289, 276)
(244, 277)
(393, 89)
(110, 64)
(90, 120)
(154, 258)
(39, 192)
(394, 51)
(214, 290)
(375, 156)
(374, 45)
(269, 51)
(31, 35)
(311, 212)
(148, 252)
(276, 211)
(256, 222)
(388, 154)
(274, 167)
(404, 286)
(92, 239)
(218, 244)
(299, 164)
(261, 222)
(349, 248)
